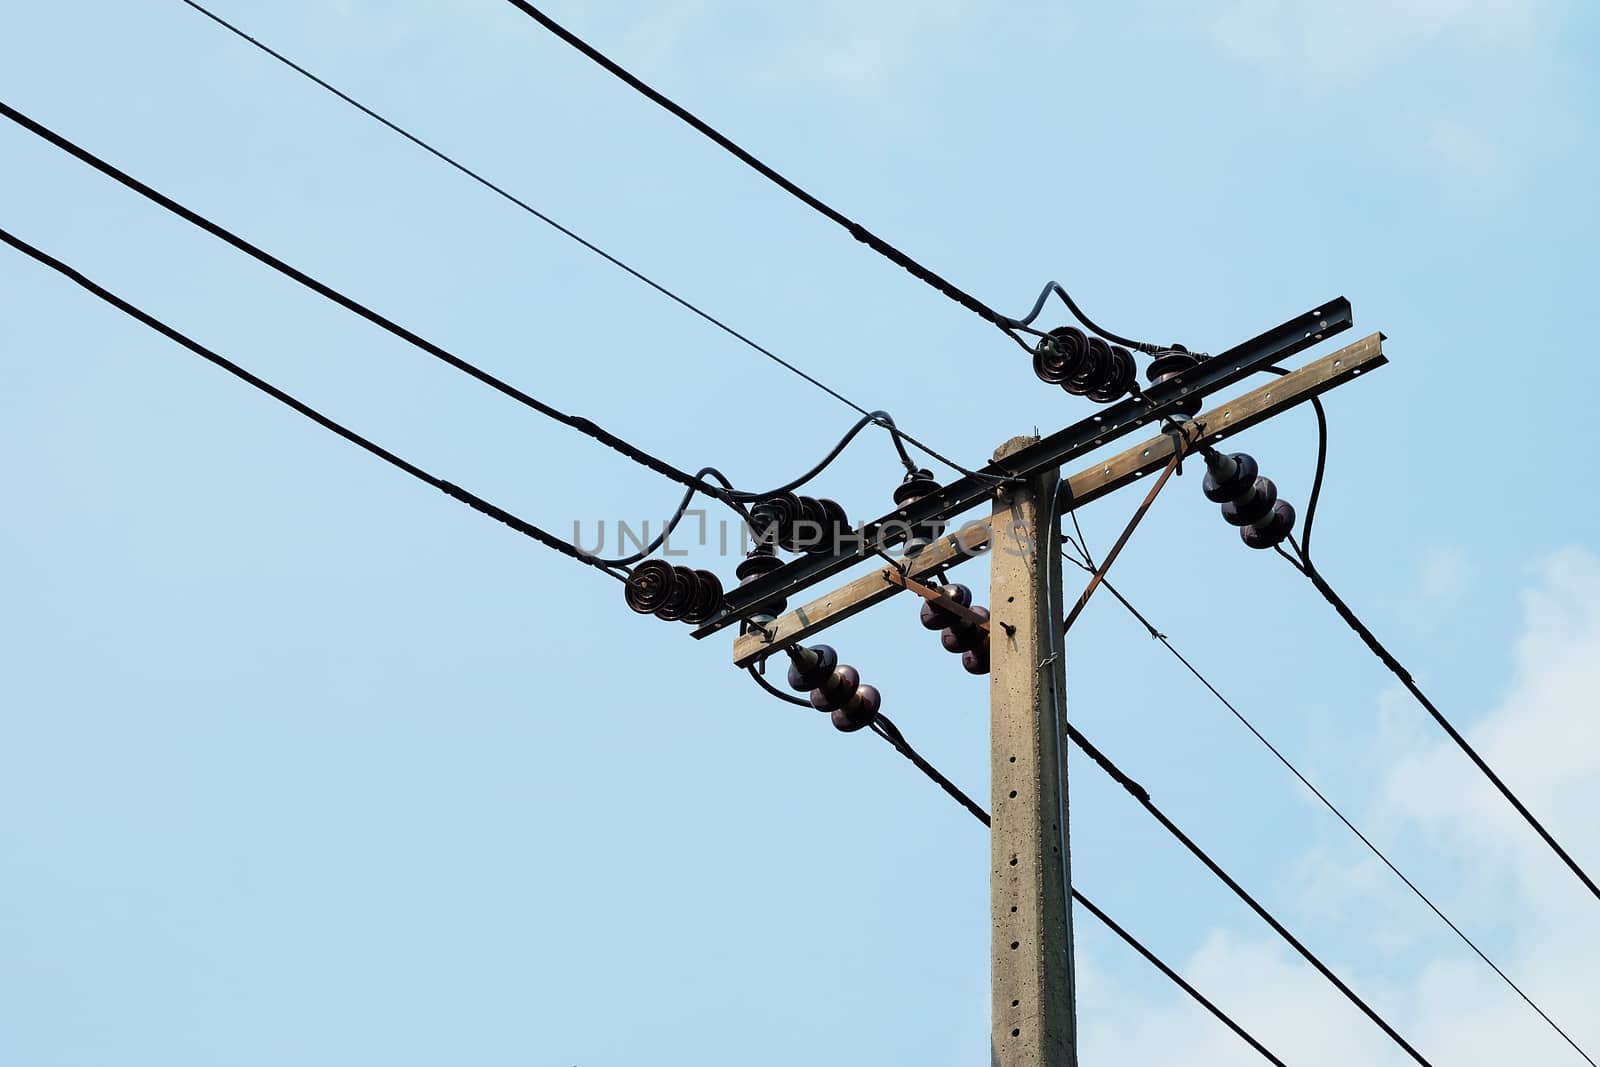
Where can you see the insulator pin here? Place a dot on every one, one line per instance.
(916, 485)
(1168, 364)
(763, 559)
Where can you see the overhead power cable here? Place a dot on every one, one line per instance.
(891, 734)
(472, 500)
(1072, 305)
(1300, 560)
(1277, 754)
(855, 229)
(1304, 566)
(511, 198)
(1142, 795)
(582, 425)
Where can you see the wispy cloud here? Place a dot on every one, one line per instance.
(1328, 44)
(1543, 736)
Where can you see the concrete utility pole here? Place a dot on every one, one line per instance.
(1033, 1021)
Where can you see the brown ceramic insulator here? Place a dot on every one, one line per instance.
(837, 690)
(649, 586)
(861, 711)
(1253, 506)
(1228, 477)
(935, 617)
(1271, 531)
(964, 636)
(772, 519)
(810, 667)
(1057, 357)
(707, 598)
(680, 597)
(1119, 376)
(1172, 362)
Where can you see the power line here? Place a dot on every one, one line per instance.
(582, 425)
(1305, 567)
(472, 500)
(1142, 795)
(1339, 814)
(1301, 561)
(524, 205)
(855, 229)
(887, 730)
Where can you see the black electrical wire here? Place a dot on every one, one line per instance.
(1142, 795)
(1301, 561)
(582, 425)
(736, 499)
(1322, 463)
(887, 730)
(1055, 287)
(1304, 565)
(1157, 635)
(878, 418)
(677, 516)
(511, 198)
(787, 698)
(1176, 977)
(855, 229)
(472, 500)
(890, 733)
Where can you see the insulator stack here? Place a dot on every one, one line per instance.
(834, 687)
(656, 587)
(798, 523)
(1248, 500)
(763, 559)
(960, 635)
(1172, 362)
(1084, 366)
(916, 485)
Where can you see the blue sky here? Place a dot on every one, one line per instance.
(304, 762)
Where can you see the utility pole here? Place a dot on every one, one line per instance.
(1033, 1021)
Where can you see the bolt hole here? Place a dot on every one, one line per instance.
(1013, 759)
(1014, 1003)
(1013, 909)
(1013, 861)
(1015, 1033)
(1014, 945)
(1013, 794)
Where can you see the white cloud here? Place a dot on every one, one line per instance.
(1327, 44)
(1521, 905)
